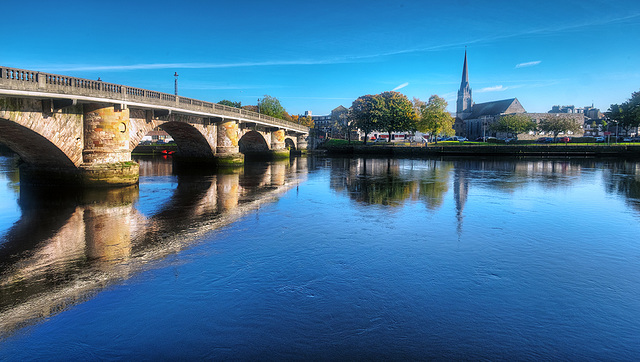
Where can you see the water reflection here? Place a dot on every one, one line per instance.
(68, 246)
(392, 182)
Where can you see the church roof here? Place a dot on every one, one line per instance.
(503, 106)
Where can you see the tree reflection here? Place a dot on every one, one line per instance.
(623, 178)
(434, 183)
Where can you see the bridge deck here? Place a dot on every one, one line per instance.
(20, 82)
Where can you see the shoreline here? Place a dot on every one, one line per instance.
(563, 150)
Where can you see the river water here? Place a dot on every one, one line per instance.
(328, 258)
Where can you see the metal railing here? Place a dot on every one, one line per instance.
(27, 80)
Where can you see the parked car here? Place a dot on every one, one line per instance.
(461, 139)
(544, 140)
(601, 139)
(380, 139)
(626, 139)
(564, 139)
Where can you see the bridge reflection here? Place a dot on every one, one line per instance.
(67, 247)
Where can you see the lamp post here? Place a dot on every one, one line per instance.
(175, 74)
(258, 105)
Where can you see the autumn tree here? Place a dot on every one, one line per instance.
(434, 118)
(271, 106)
(366, 112)
(514, 123)
(556, 123)
(397, 113)
(306, 121)
(251, 108)
(287, 117)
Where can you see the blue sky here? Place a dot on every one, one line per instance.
(319, 55)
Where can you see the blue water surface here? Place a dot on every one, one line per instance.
(398, 259)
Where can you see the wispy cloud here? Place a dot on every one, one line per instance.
(153, 66)
(528, 64)
(497, 88)
(401, 86)
(341, 59)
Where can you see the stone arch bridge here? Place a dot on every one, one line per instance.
(73, 130)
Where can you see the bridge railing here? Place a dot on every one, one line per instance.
(27, 80)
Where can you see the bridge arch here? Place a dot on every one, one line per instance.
(289, 144)
(32, 147)
(191, 141)
(253, 142)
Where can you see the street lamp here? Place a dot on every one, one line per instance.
(258, 105)
(175, 74)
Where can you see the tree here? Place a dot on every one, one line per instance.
(556, 123)
(271, 106)
(627, 114)
(397, 113)
(306, 121)
(341, 121)
(366, 112)
(514, 123)
(434, 118)
(229, 103)
(251, 108)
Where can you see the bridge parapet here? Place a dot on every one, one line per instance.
(31, 81)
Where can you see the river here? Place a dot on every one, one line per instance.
(328, 258)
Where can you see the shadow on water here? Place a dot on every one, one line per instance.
(69, 245)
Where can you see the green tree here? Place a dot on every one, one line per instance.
(229, 103)
(514, 123)
(366, 112)
(397, 113)
(271, 106)
(434, 118)
(556, 123)
(627, 114)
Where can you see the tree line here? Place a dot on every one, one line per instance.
(270, 106)
(393, 112)
(626, 114)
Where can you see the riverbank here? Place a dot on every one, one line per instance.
(542, 150)
(150, 150)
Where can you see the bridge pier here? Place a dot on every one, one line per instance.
(106, 157)
(278, 148)
(301, 140)
(227, 149)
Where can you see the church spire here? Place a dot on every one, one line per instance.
(465, 71)
(463, 106)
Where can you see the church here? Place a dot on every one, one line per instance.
(473, 120)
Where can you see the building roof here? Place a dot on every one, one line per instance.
(504, 106)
